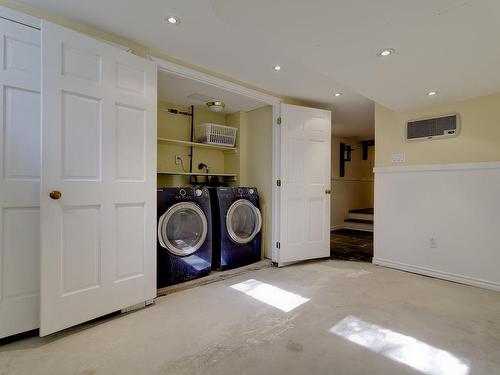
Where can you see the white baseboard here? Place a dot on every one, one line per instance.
(438, 274)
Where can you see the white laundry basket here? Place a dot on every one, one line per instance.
(215, 134)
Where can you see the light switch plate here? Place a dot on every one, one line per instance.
(399, 157)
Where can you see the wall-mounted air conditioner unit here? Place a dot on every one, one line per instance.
(431, 128)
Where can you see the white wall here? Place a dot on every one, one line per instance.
(457, 204)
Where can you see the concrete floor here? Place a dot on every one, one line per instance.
(359, 319)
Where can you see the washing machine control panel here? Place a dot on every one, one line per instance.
(187, 193)
(183, 194)
(238, 192)
(245, 192)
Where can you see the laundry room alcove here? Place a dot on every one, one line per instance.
(183, 161)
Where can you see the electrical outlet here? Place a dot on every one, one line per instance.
(433, 242)
(178, 159)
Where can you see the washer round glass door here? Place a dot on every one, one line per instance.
(243, 221)
(183, 228)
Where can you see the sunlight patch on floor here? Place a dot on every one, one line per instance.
(272, 295)
(400, 348)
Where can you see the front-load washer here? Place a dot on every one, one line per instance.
(184, 249)
(237, 224)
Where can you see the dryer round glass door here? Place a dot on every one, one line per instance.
(182, 229)
(243, 221)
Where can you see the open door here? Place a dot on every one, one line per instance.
(305, 184)
(98, 190)
(20, 138)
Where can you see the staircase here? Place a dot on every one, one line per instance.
(360, 220)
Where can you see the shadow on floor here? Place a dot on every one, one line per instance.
(347, 244)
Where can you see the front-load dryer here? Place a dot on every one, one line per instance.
(237, 224)
(184, 249)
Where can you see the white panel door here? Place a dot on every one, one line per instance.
(99, 151)
(20, 138)
(305, 184)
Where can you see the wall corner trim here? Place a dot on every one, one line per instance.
(438, 167)
(492, 285)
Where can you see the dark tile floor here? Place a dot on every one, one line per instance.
(347, 244)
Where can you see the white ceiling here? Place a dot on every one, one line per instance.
(324, 46)
(175, 89)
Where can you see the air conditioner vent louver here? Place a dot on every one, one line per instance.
(437, 127)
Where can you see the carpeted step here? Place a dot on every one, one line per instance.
(363, 214)
(367, 211)
(357, 224)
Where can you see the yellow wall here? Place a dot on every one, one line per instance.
(478, 140)
(259, 143)
(236, 163)
(355, 189)
(175, 126)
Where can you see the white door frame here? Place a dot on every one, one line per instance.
(275, 102)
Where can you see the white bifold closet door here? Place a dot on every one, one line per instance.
(20, 137)
(98, 240)
(305, 183)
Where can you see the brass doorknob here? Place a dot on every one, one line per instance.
(55, 194)
(328, 191)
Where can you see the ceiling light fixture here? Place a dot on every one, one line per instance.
(432, 93)
(277, 68)
(216, 106)
(337, 94)
(173, 20)
(387, 52)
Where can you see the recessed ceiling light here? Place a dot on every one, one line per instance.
(386, 52)
(432, 93)
(337, 94)
(173, 20)
(277, 68)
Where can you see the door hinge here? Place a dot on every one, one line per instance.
(278, 245)
(278, 120)
(278, 183)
